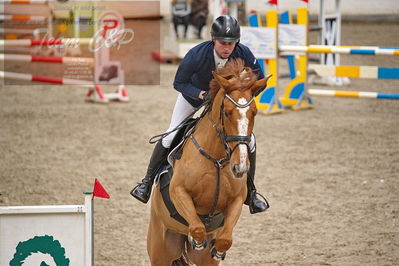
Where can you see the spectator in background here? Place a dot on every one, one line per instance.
(181, 10)
(199, 15)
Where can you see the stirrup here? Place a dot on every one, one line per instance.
(265, 200)
(256, 205)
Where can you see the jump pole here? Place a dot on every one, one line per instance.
(95, 92)
(43, 79)
(363, 72)
(28, 42)
(354, 94)
(360, 50)
(20, 31)
(28, 2)
(22, 18)
(45, 59)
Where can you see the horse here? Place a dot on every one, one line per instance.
(209, 180)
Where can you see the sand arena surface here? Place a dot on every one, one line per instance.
(330, 174)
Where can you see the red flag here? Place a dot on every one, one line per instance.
(306, 1)
(272, 2)
(99, 190)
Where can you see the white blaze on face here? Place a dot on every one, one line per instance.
(242, 126)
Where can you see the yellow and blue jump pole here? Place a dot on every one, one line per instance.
(363, 72)
(360, 50)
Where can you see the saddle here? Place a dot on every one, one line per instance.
(165, 174)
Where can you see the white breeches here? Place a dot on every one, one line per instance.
(181, 110)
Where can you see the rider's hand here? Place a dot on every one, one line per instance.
(202, 95)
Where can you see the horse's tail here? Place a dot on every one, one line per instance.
(183, 260)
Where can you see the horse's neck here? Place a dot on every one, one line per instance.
(207, 138)
(206, 134)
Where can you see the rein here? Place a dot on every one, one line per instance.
(219, 164)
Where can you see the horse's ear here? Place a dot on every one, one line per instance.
(224, 83)
(260, 83)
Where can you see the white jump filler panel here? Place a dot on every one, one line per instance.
(55, 235)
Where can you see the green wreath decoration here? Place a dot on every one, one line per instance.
(44, 244)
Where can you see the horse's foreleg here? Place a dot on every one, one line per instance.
(185, 206)
(224, 238)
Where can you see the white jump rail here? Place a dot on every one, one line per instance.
(46, 59)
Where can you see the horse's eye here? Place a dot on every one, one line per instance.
(227, 114)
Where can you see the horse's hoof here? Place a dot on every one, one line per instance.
(217, 255)
(195, 245)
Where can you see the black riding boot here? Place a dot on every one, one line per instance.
(255, 204)
(142, 191)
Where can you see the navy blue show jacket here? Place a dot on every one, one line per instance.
(195, 70)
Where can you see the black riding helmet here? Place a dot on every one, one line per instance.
(226, 29)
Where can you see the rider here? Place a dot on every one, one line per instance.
(192, 81)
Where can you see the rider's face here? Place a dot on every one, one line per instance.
(224, 49)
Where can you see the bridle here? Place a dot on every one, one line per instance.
(239, 139)
(221, 133)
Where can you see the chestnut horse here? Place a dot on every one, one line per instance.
(209, 180)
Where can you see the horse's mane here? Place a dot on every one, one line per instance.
(234, 69)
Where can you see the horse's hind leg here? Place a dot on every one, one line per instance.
(163, 246)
